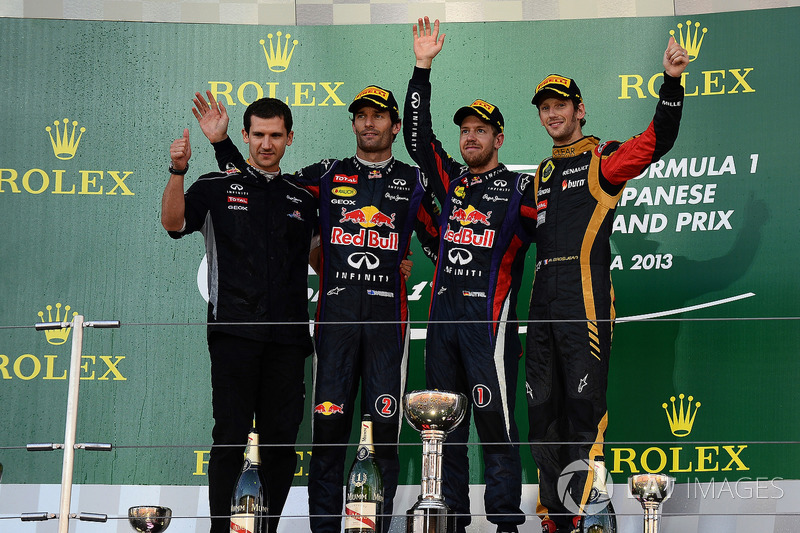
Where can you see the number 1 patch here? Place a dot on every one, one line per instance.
(481, 395)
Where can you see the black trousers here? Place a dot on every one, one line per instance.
(249, 378)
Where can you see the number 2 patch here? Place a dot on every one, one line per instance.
(386, 405)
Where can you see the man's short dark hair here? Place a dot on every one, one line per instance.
(268, 108)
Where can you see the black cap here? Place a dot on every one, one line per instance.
(483, 110)
(558, 86)
(378, 97)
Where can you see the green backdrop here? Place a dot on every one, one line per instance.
(707, 241)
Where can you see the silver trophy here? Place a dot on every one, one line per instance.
(651, 490)
(149, 518)
(434, 414)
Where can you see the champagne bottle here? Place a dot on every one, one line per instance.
(249, 505)
(602, 519)
(364, 486)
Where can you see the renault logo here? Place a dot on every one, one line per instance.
(459, 256)
(361, 259)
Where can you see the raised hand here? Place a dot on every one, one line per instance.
(675, 58)
(180, 151)
(212, 117)
(427, 42)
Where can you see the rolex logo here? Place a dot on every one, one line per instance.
(64, 143)
(682, 419)
(57, 337)
(690, 40)
(278, 57)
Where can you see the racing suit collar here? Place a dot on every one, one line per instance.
(584, 144)
(258, 173)
(470, 178)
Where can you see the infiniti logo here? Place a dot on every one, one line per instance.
(501, 183)
(399, 182)
(359, 259)
(459, 256)
(415, 100)
(236, 187)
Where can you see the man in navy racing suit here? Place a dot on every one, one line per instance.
(470, 347)
(369, 206)
(572, 303)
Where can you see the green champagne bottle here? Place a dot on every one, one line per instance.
(364, 503)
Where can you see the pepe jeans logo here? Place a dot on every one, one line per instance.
(714, 81)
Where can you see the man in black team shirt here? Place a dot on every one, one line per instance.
(572, 303)
(257, 227)
(369, 206)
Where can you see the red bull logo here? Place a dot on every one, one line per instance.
(470, 215)
(328, 409)
(356, 215)
(468, 236)
(380, 219)
(368, 217)
(369, 238)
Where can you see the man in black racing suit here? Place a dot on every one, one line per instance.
(369, 206)
(572, 303)
(471, 348)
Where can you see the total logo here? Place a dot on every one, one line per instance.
(367, 217)
(328, 409)
(470, 215)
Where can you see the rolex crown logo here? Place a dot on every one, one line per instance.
(682, 420)
(278, 57)
(65, 144)
(690, 40)
(57, 337)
